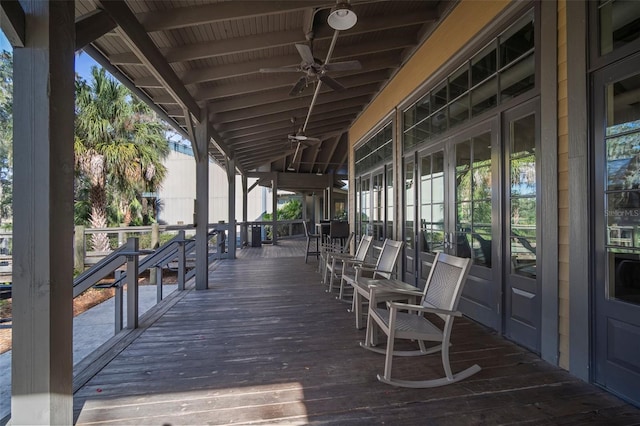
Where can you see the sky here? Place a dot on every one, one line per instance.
(83, 61)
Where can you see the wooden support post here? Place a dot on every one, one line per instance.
(132, 284)
(274, 203)
(157, 274)
(43, 108)
(155, 238)
(202, 202)
(181, 261)
(231, 179)
(118, 299)
(79, 248)
(244, 237)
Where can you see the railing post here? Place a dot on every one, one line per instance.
(132, 283)
(78, 248)
(118, 302)
(155, 236)
(157, 273)
(121, 235)
(181, 260)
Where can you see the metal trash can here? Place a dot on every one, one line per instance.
(256, 236)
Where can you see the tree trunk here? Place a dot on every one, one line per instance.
(98, 200)
(98, 219)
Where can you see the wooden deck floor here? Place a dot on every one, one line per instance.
(266, 345)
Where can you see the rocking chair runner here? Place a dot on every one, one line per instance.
(441, 296)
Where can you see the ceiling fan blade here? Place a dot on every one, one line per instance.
(281, 69)
(299, 86)
(305, 53)
(331, 83)
(342, 66)
(310, 142)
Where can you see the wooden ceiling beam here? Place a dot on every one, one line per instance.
(92, 26)
(284, 122)
(257, 111)
(283, 38)
(206, 14)
(12, 22)
(264, 82)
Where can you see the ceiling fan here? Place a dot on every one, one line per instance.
(314, 70)
(302, 141)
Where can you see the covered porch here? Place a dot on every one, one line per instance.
(266, 344)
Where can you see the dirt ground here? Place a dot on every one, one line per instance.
(83, 302)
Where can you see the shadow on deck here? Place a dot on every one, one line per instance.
(265, 344)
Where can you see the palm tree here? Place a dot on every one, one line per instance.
(119, 147)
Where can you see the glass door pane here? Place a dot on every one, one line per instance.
(522, 301)
(622, 191)
(365, 206)
(522, 197)
(432, 203)
(409, 231)
(473, 199)
(377, 207)
(389, 200)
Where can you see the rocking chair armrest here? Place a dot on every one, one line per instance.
(373, 288)
(355, 263)
(371, 270)
(342, 256)
(420, 308)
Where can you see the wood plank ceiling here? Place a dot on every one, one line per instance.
(184, 55)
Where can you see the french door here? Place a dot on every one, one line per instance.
(449, 207)
(617, 229)
(475, 195)
(474, 219)
(520, 226)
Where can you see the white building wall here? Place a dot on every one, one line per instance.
(179, 190)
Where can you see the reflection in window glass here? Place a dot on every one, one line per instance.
(389, 197)
(484, 97)
(622, 191)
(439, 122)
(619, 23)
(376, 151)
(459, 111)
(473, 199)
(459, 82)
(518, 78)
(365, 209)
(409, 205)
(523, 203)
(517, 41)
(439, 97)
(377, 208)
(432, 203)
(484, 64)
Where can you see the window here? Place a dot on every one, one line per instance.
(374, 185)
(500, 71)
(619, 23)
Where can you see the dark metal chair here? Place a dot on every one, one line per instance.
(311, 236)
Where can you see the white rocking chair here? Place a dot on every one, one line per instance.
(335, 263)
(441, 296)
(383, 268)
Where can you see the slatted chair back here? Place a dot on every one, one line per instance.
(363, 248)
(387, 258)
(444, 283)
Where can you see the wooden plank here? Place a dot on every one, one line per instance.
(267, 344)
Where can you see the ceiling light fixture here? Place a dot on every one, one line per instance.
(342, 17)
